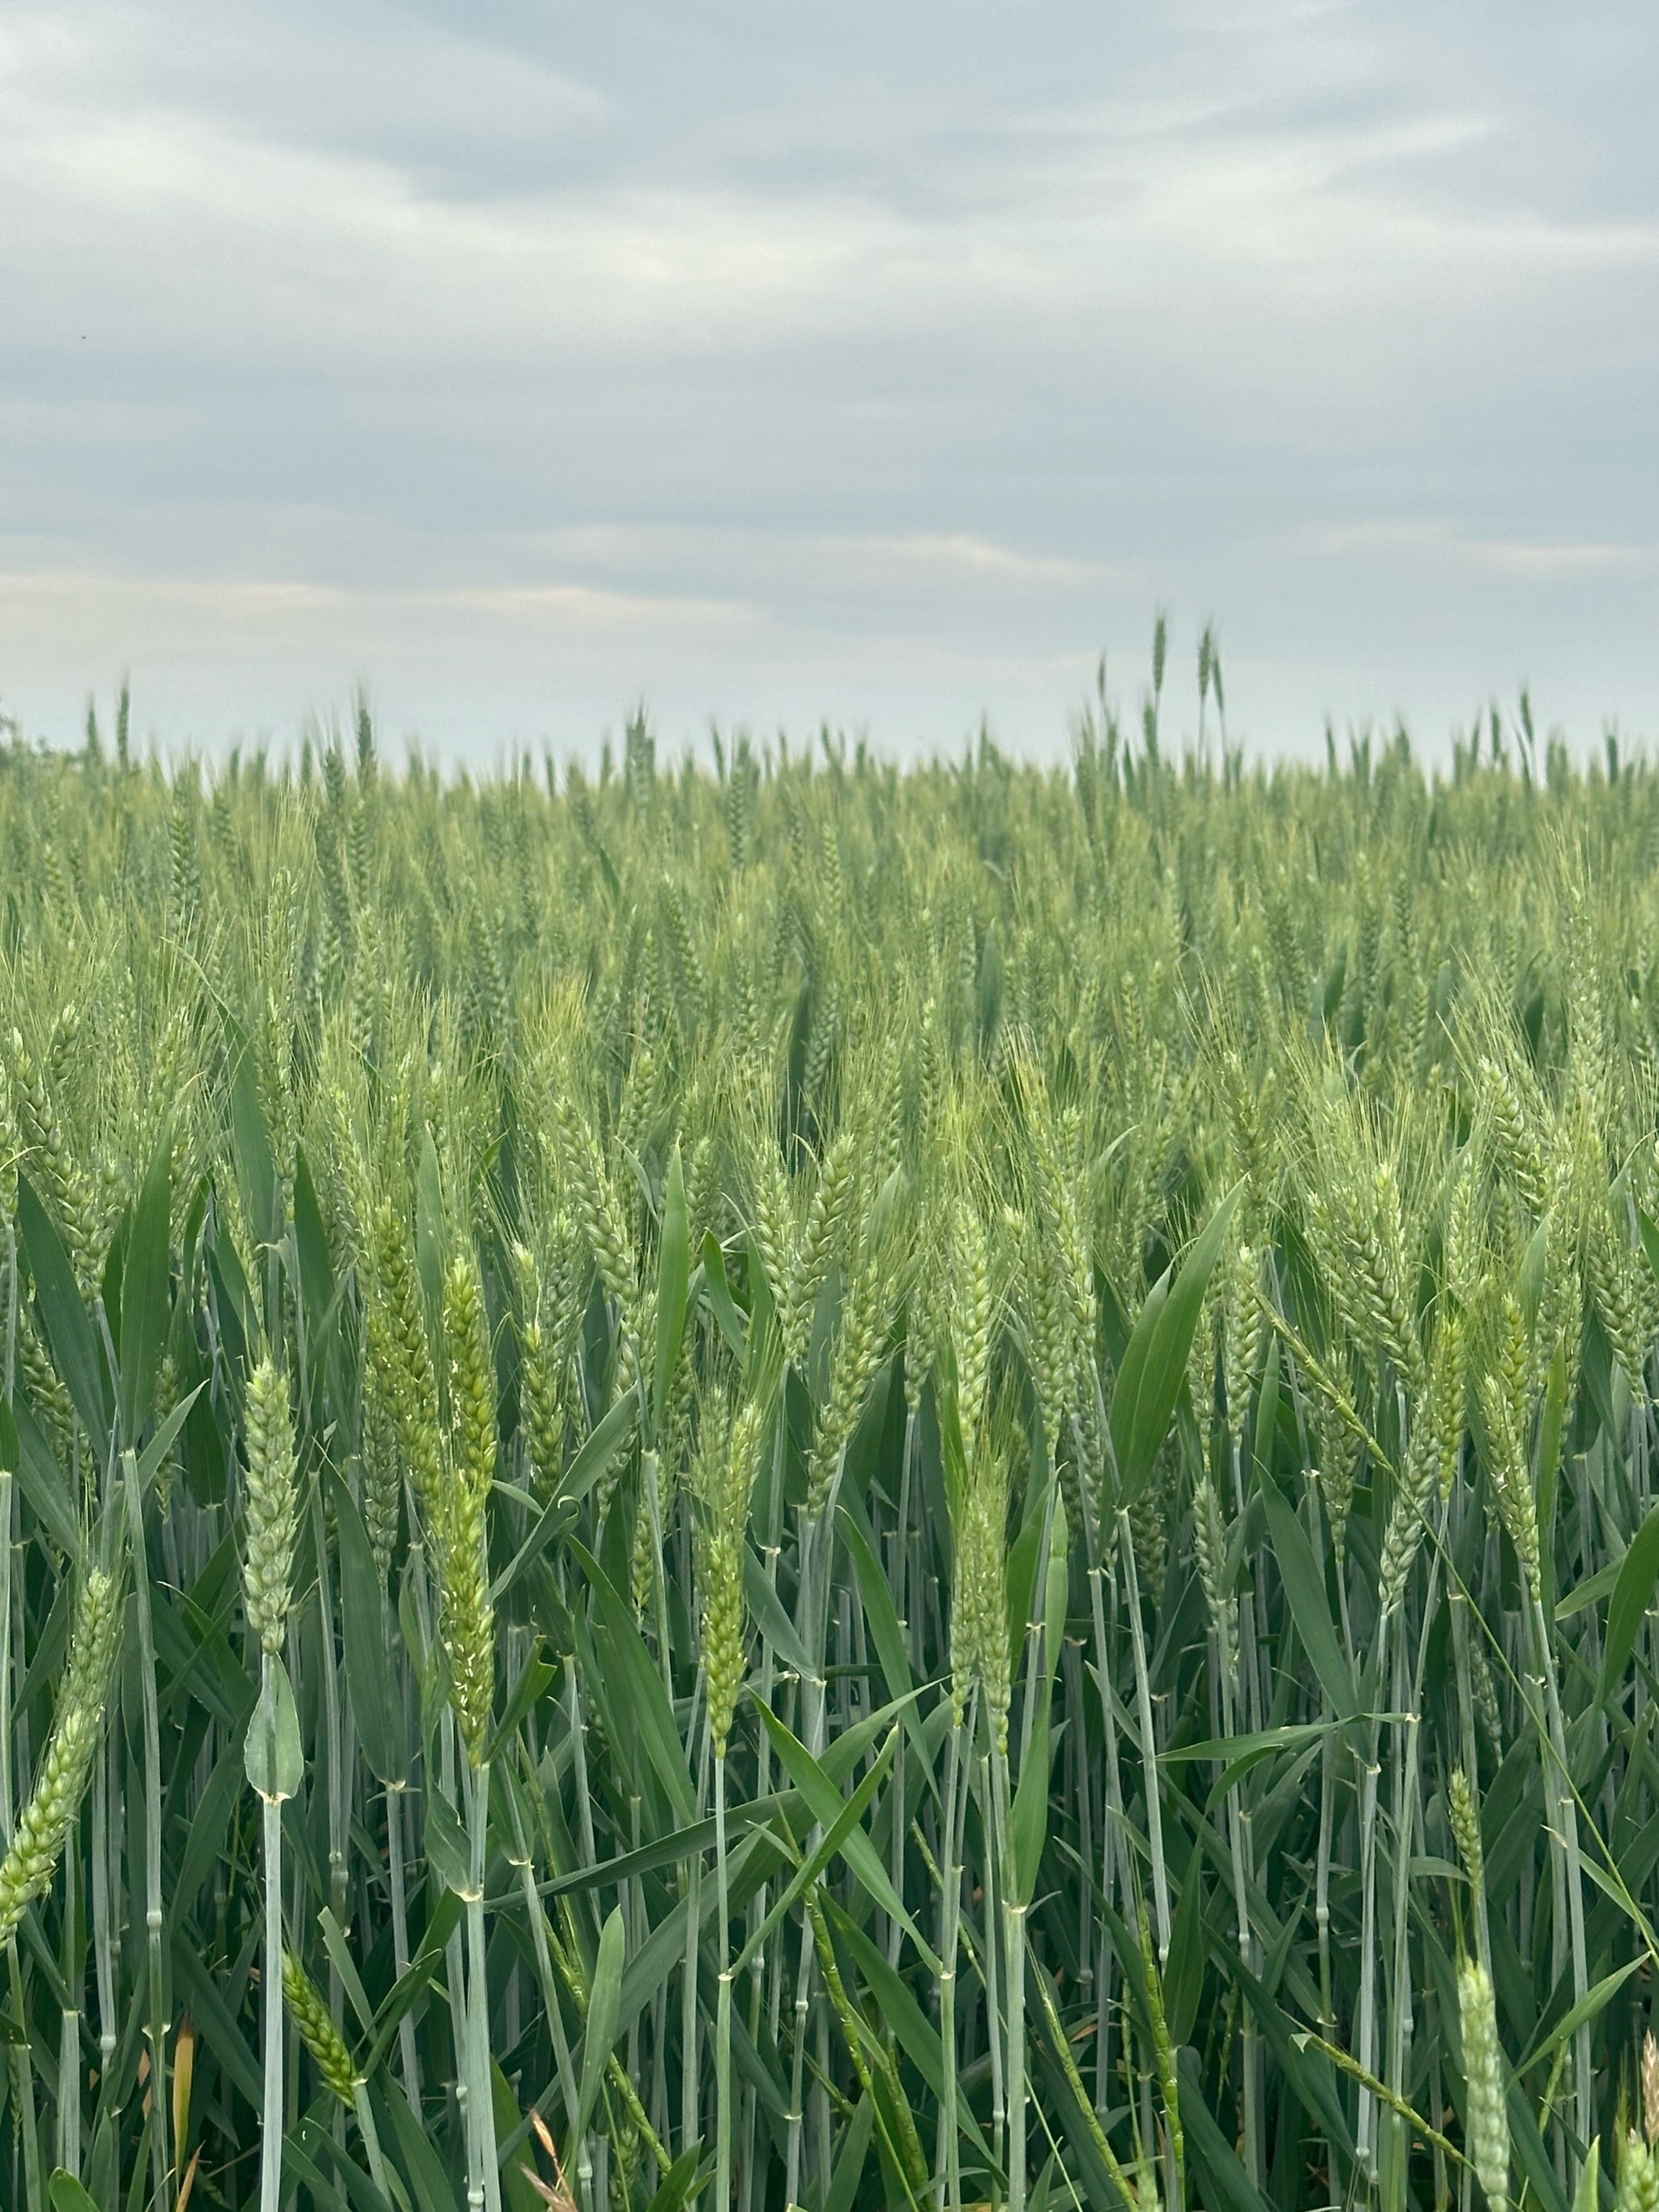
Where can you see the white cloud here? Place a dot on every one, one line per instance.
(1416, 537)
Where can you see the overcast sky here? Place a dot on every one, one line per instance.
(874, 364)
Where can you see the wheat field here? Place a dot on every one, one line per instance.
(782, 1483)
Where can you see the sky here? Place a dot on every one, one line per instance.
(878, 366)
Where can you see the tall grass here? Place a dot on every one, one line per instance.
(810, 1486)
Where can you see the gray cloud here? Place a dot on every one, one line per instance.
(777, 365)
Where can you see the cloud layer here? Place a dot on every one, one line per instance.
(778, 366)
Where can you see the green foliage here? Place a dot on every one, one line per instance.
(946, 1474)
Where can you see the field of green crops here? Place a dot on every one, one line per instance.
(779, 1484)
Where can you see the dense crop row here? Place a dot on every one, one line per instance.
(806, 1486)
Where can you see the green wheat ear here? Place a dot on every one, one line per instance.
(724, 1476)
(1638, 2176)
(1465, 1818)
(399, 1357)
(1488, 2122)
(318, 2032)
(458, 1510)
(542, 1414)
(32, 1857)
(273, 1506)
